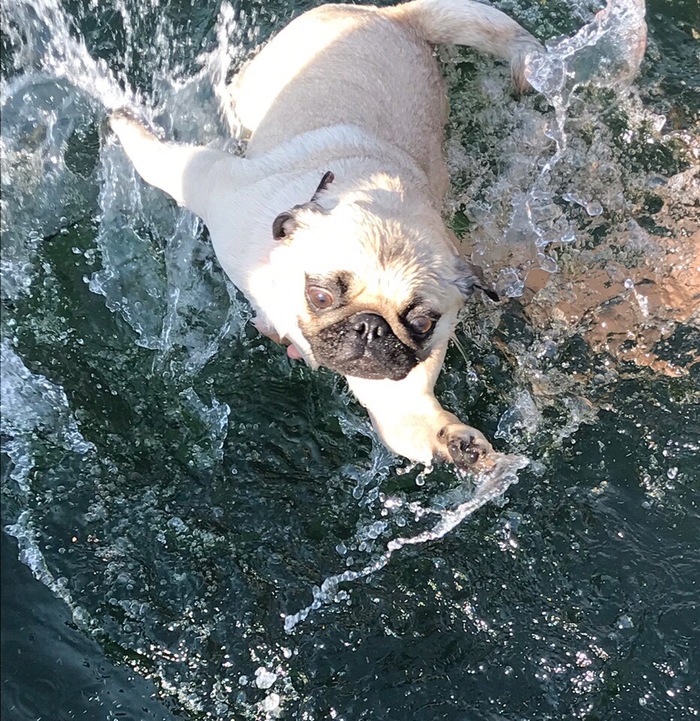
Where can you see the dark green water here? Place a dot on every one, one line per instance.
(181, 487)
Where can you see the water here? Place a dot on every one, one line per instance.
(219, 530)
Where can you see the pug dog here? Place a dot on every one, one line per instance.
(331, 224)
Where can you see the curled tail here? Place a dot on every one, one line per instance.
(464, 22)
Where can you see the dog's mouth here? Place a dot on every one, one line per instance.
(364, 346)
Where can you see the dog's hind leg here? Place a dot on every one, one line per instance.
(464, 22)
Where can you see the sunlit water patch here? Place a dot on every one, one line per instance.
(225, 522)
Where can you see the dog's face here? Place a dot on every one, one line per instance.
(379, 289)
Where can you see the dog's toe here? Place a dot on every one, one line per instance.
(466, 447)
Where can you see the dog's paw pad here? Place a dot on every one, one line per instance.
(465, 451)
(466, 447)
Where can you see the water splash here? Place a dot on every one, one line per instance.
(44, 42)
(182, 571)
(47, 109)
(34, 413)
(489, 486)
(606, 52)
(520, 218)
(30, 404)
(156, 271)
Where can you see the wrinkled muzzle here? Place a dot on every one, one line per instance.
(363, 345)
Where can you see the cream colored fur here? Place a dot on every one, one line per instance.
(355, 90)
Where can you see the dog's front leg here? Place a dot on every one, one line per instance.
(411, 422)
(192, 175)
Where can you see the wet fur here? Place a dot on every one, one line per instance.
(354, 90)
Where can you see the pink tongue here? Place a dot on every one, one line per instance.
(292, 352)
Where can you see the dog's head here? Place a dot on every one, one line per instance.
(380, 281)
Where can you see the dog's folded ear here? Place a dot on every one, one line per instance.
(471, 277)
(286, 222)
(284, 225)
(326, 180)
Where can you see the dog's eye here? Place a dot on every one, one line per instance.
(422, 324)
(320, 298)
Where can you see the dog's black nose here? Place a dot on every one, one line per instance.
(370, 326)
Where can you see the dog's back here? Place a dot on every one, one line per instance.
(345, 65)
(368, 67)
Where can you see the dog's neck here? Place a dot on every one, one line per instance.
(350, 153)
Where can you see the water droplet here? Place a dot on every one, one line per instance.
(270, 703)
(594, 208)
(625, 622)
(264, 678)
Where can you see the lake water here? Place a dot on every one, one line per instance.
(196, 527)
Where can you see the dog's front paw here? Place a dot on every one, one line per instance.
(466, 447)
(127, 125)
(124, 118)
